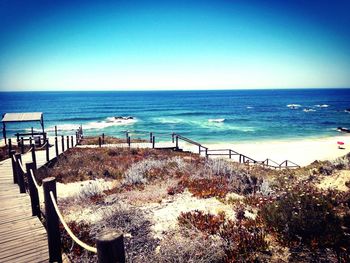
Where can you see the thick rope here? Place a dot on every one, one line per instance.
(14, 158)
(79, 242)
(31, 148)
(33, 178)
(21, 165)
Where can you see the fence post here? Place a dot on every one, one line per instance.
(199, 151)
(33, 155)
(30, 140)
(52, 221)
(153, 141)
(33, 192)
(47, 147)
(103, 138)
(177, 142)
(150, 137)
(206, 152)
(10, 147)
(56, 146)
(129, 141)
(76, 138)
(67, 142)
(62, 141)
(110, 247)
(72, 142)
(17, 135)
(240, 158)
(99, 142)
(20, 179)
(229, 154)
(55, 130)
(172, 137)
(22, 145)
(14, 168)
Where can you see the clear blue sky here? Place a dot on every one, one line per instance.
(123, 45)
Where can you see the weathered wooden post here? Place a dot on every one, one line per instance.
(62, 141)
(99, 142)
(129, 141)
(150, 137)
(17, 135)
(76, 138)
(14, 168)
(240, 158)
(153, 141)
(67, 142)
(34, 196)
(177, 142)
(34, 156)
(56, 146)
(10, 147)
(47, 147)
(206, 152)
(52, 221)
(55, 130)
(72, 142)
(229, 154)
(20, 173)
(22, 145)
(199, 150)
(172, 137)
(32, 130)
(30, 140)
(110, 247)
(103, 138)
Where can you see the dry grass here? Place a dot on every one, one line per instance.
(94, 140)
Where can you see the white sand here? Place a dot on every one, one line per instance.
(302, 152)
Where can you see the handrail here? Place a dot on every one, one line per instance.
(71, 234)
(14, 158)
(188, 140)
(34, 180)
(21, 165)
(42, 146)
(31, 148)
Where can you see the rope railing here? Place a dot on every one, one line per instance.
(66, 227)
(21, 165)
(34, 180)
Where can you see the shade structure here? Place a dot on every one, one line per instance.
(23, 116)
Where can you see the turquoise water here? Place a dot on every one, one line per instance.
(205, 116)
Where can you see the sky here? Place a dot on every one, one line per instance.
(157, 45)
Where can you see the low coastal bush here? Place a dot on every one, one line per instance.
(242, 240)
(305, 215)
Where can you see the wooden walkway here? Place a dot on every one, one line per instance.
(23, 237)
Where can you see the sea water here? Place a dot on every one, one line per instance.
(204, 116)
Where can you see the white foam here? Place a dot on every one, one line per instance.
(293, 106)
(250, 107)
(216, 120)
(322, 105)
(308, 110)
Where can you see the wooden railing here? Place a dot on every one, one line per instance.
(109, 246)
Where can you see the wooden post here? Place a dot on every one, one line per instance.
(56, 146)
(229, 154)
(199, 150)
(62, 141)
(72, 142)
(150, 137)
(103, 138)
(47, 147)
(20, 174)
(22, 145)
(129, 141)
(34, 156)
(153, 141)
(206, 152)
(32, 130)
(30, 140)
(99, 142)
(10, 147)
(17, 135)
(33, 192)
(52, 221)
(240, 158)
(55, 130)
(110, 247)
(172, 137)
(67, 142)
(14, 168)
(177, 142)
(76, 138)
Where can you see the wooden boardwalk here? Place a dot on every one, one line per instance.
(23, 237)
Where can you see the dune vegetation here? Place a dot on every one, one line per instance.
(179, 207)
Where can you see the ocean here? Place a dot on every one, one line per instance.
(204, 116)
